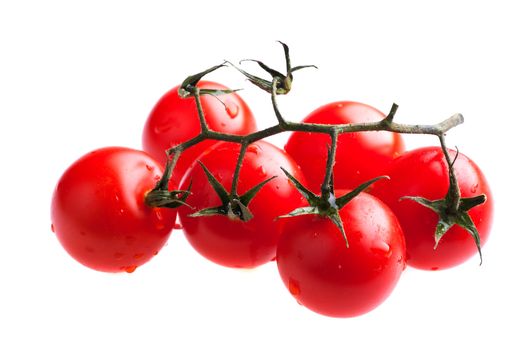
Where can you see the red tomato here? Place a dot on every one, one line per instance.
(174, 120)
(360, 156)
(424, 173)
(99, 214)
(331, 279)
(235, 243)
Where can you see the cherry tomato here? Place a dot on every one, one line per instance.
(424, 172)
(360, 156)
(99, 214)
(235, 243)
(174, 120)
(331, 279)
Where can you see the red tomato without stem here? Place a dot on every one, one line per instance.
(235, 243)
(424, 172)
(99, 213)
(174, 120)
(331, 279)
(360, 156)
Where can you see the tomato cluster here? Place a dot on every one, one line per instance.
(340, 250)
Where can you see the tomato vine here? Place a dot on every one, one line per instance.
(453, 209)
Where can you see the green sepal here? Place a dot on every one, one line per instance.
(269, 70)
(336, 219)
(311, 197)
(301, 211)
(209, 212)
(217, 92)
(163, 198)
(284, 81)
(216, 185)
(247, 197)
(465, 204)
(188, 85)
(343, 200)
(465, 221)
(448, 217)
(232, 206)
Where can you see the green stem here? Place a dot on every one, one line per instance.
(453, 193)
(387, 124)
(235, 180)
(202, 119)
(326, 188)
(278, 114)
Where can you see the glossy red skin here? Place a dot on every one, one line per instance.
(99, 214)
(333, 280)
(234, 243)
(423, 172)
(360, 156)
(174, 120)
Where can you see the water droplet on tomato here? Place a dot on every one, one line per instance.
(156, 177)
(162, 128)
(138, 256)
(339, 105)
(435, 268)
(156, 252)
(53, 228)
(232, 109)
(130, 269)
(253, 148)
(262, 170)
(159, 219)
(474, 188)
(273, 259)
(339, 267)
(177, 226)
(381, 247)
(149, 167)
(293, 287)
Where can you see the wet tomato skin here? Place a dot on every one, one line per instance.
(99, 214)
(331, 279)
(174, 120)
(232, 242)
(424, 172)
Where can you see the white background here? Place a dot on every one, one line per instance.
(77, 76)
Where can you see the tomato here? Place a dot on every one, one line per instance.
(99, 214)
(174, 120)
(424, 173)
(360, 156)
(236, 243)
(331, 279)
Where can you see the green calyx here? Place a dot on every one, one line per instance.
(453, 209)
(327, 204)
(161, 197)
(283, 81)
(189, 85)
(233, 206)
(449, 216)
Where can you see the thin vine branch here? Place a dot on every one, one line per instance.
(387, 124)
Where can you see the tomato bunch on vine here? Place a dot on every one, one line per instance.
(342, 209)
